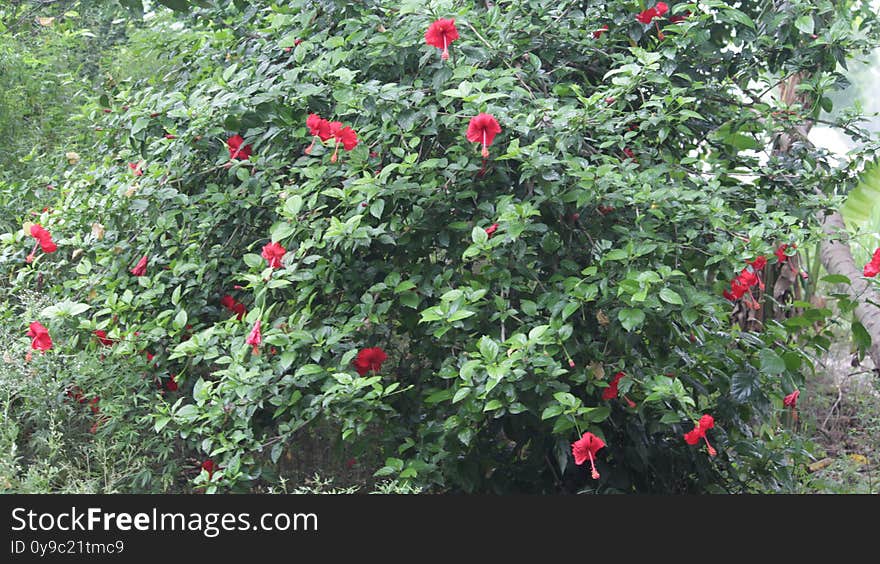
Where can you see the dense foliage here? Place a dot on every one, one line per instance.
(632, 178)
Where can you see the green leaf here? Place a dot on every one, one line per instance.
(861, 337)
(805, 24)
(293, 205)
(488, 348)
(461, 394)
(836, 279)
(478, 235)
(670, 296)
(140, 124)
(160, 423)
(771, 363)
(493, 405)
(409, 299)
(631, 318)
(744, 385)
(176, 5)
(179, 320)
(281, 230)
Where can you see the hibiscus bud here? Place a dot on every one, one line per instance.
(287, 49)
(30, 258)
(609, 100)
(107, 110)
(570, 363)
(155, 114)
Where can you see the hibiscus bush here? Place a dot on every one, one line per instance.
(485, 247)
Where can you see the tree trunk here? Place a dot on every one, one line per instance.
(837, 259)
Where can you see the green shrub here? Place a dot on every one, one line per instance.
(627, 193)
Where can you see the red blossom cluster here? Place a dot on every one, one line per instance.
(136, 168)
(699, 432)
(873, 268)
(320, 128)
(740, 287)
(656, 11)
(491, 229)
(234, 306)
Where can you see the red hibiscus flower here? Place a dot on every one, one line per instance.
(598, 33)
(141, 267)
(759, 263)
(239, 310)
(368, 360)
(482, 129)
(342, 134)
(232, 305)
(741, 285)
(273, 253)
(491, 229)
(210, 467)
(791, 399)
(699, 432)
(171, 384)
(44, 239)
(255, 338)
(611, 391)
(102, 337)
(136, 168)
(873, 268)
(585, 449)
(657, 11)
(780, 252)
(319, 128)
(236, 150)
(40, 339)
(441, 34)
(629, 153)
